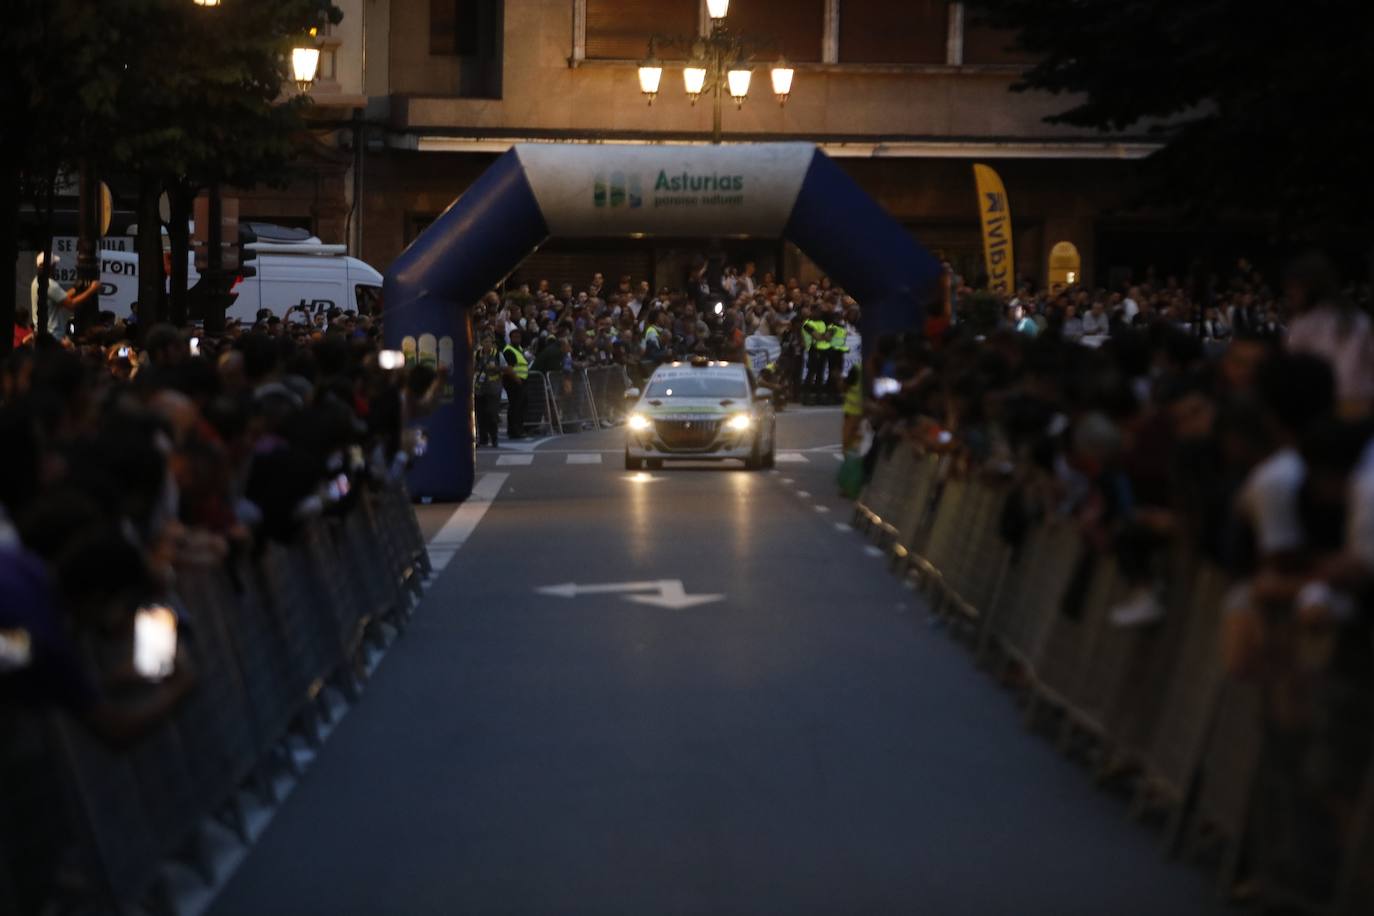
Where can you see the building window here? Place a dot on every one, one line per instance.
(473, 32)
(894, 31)
(985, 45)
(620, 29)
(797, 26)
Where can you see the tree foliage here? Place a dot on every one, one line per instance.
(164, 88)
(1263, 108)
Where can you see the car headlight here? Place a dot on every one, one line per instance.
(740, 421)
(639, 422)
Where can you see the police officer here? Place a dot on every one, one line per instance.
(839, 346)
(487, 390)
(515, 374)
(817, 335)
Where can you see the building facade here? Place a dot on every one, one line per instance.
(908, 94)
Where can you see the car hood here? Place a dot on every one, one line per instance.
(691, 407)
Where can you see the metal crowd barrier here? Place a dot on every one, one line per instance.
(540, 416)
(584, 398)
(571, 396)
(267, 634)
(608, 385)
(1152, 702)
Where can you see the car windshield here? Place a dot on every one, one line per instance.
(703, 385)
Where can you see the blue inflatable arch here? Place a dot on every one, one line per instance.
(538, 191)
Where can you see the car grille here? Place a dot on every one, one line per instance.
(687, 435)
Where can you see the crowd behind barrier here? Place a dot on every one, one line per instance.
(1161, 540)
(565, 358)
(202, 543)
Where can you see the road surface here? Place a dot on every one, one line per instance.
(806, 743)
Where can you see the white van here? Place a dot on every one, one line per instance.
(318, 276)
(286, 274)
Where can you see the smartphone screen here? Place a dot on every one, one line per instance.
(338, 487)
(155, 642)
(883, 387)
(195, 346)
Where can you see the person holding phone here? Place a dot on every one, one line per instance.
(62, 303)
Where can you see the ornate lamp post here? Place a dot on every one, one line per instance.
(718, 63)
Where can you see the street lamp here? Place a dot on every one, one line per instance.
(305, 63)
(717, 63)
(650, 75)
(782, 80)
(738, 79)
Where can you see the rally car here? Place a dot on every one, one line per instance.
(700, 411)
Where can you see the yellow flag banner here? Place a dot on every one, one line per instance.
(997, 245)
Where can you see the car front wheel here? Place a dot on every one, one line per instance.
(632, 464)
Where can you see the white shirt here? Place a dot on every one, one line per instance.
(1345, 340)
(1129, 308)
(1095, 324)
(1268, 500)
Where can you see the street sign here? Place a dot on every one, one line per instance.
(667, 593)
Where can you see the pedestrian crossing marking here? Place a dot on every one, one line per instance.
(792, 458)
(588, 458)
(514, 461)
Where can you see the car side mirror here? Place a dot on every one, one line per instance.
(763, 394)
(632, 394)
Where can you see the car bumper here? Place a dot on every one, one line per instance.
(728, 444)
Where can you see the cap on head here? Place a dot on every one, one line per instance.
(43, 257)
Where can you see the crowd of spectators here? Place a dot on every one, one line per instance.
(1230, 419)
(714, 313)
(131, 452)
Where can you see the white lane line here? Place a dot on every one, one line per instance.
(803, 494)
(787, 480)
(528, 446)
(463, 521)
(514, 461)
(838, 456)
(874, 551)
(792, 458)
(191, 896)
(585, 458)
(843, 528)
(819, 508)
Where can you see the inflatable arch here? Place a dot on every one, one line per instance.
(537, 191)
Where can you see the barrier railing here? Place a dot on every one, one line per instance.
(540, 416)
(586, 398)
(267, 634)
(1150, 702)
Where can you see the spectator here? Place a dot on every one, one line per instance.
(62, 304)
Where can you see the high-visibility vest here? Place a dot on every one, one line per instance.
(651, 333)
(838, 341)
(816, 340)
(522, 366)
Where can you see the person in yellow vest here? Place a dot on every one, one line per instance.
(516, 373)
(817, 336)
(839, 348)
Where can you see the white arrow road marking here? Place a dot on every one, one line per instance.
(670, 593)
(585, 458)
